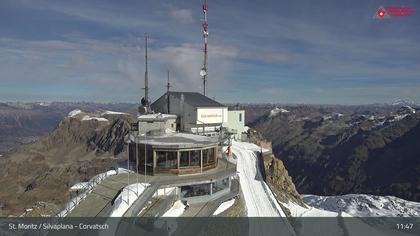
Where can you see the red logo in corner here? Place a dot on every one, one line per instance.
(394, 11)
(381, 13)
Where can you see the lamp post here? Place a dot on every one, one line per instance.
(137, 165)
(128, 173)
(145, 158)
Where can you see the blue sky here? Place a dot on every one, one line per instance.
(330, 52)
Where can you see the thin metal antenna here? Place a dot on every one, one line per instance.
(145, 100)
(146, 74)
(205, 25)
(168, 84)
(168, 87)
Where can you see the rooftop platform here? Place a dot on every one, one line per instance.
(155, 117)
(175, 140)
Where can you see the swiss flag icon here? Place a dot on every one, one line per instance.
(381, 13)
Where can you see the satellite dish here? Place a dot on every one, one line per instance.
(203, 72)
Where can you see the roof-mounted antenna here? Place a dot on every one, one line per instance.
(168, 87)
(145, 100)
(203, 71)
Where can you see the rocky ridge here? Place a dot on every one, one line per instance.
(76, 150)
(373, 151)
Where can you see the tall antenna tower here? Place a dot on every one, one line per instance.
(168, 87)
(145, 100)
(203, 71)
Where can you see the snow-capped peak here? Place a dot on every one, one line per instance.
(277, 111)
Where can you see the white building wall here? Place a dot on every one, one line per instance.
(146, 126)
(236, 122)
(212, 115)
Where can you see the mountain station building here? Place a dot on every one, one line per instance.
(196, 113)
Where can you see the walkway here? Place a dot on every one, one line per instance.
(98, 202)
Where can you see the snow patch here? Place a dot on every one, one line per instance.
(334, 115)
(277, 111)
(368, 117)
(398, 117)
(74, 113)
(85, 118)
(176, 210)
(126, 198)
(224, 206)
(113, 113)
(79, 186)
(45, 104)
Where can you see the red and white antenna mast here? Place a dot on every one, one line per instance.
(203, 71)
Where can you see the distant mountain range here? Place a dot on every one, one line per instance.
(340, 150)
(25, 122)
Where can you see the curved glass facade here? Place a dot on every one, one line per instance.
(159, 160)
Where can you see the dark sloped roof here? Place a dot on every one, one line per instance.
(196, 99)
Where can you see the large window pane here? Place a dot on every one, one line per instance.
(195, 158)
(208, 156)
(137, 153)
(184, 159)
(166, 160)
(195, 190)
(220, 185)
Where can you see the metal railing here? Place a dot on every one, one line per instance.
(97, 179)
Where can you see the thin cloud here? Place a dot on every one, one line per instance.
(184, 16)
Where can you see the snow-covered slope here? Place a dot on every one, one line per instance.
(363, 205)
(259, 199)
